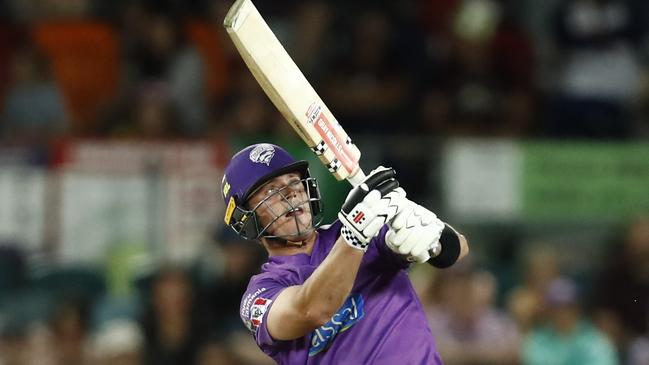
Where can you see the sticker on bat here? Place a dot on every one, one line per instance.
(315, 116)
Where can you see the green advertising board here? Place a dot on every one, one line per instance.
(577, 181)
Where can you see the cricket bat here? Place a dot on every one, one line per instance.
(301, 106)
(291, 92)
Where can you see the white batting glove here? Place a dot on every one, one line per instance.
(414, 232)
(368, 207)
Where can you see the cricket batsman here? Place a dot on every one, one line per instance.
(337, 294)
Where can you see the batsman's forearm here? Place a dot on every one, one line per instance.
(326, 289)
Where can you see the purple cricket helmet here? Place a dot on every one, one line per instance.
(247, 171)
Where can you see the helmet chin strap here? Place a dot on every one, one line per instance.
(283, 241)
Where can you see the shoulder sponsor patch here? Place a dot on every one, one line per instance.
(253, 307)
(259, 307)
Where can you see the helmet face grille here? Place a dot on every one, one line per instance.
(247, 222)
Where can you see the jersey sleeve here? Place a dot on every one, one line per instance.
(255, 306)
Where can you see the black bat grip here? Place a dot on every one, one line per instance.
(383, 181)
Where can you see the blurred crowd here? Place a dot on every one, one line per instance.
(549, 315)
(166, 69)
(189, 314)
(170, 313)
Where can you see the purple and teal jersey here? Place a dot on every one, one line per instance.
(381, 322)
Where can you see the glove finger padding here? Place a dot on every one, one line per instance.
(421, 251)
(374, 227)
(398, 236)
(421, 256)
(405, 208)
(414, 236)
(413, 232)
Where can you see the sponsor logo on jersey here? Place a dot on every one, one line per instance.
(249, 304)
(263, 153)
(351, 312)
(259, 307)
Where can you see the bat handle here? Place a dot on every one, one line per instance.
(357, 178)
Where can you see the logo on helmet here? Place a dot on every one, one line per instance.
(263, 153)
(226, 187)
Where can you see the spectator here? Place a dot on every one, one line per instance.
(565, 337)
(313, 21)
(11, 37)
(370, 86)
(237, 261)
(38, 10)
(161, 55)
(13, 269)
(525, 302)
(14, 343)
(639, 351)
(154, 115)
(246, 111)
(69, 331)
(33, 109)
(599, 73)
(468, 328)
(481, 74)
(171, 330)
(149, 115)
(622, 298)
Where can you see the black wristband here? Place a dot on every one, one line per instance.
(450, 242)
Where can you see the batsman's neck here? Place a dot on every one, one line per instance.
(290, 248)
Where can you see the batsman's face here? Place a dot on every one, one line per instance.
(282, 205)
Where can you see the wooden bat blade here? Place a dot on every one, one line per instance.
(290, 91)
